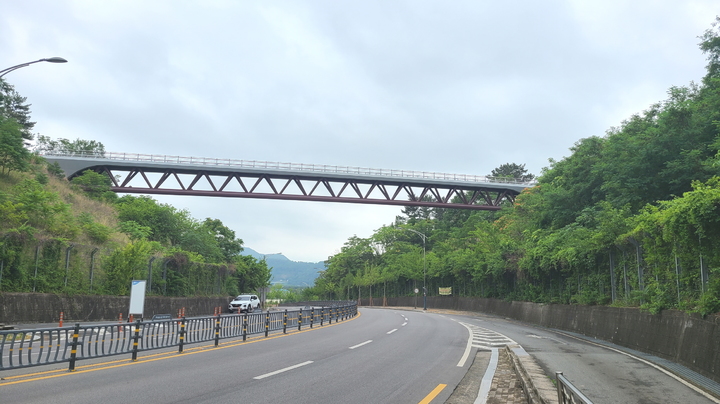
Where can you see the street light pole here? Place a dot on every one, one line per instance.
(13, 68)
(424, 266)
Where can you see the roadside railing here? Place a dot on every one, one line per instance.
(567, 393)
(36, 347)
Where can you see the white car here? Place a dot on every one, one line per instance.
(246, 303)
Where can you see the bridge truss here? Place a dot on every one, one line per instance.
(172, 175)
(304, 188)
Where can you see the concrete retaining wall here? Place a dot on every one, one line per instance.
(687, 339)
(23, 308)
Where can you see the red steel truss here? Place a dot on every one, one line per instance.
(307, 187)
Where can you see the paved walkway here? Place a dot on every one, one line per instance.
(506, 387)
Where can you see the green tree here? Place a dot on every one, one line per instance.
(80, 147)
(13, 106)
(710, 45)
(95, 185)
(224, 237)
(13, 154)
(126, 264)
(516, 172)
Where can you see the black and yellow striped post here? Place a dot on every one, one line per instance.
(245, 326)
(322, 315)
(217, 328)
(136, 338)
(267, 323)
(73, 349)
(312, 316)
(300, 320)
(285, 322)
(182, 335)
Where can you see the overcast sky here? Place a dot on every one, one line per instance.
(446, 86)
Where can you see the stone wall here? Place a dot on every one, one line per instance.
(23, 308)
(687, 339)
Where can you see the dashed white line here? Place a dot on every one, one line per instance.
(282, 370)
(361, 344)
(392, 331)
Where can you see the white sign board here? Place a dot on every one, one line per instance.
(137, 298)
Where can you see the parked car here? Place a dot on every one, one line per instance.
(246, 303)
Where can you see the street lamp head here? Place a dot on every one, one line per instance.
(55, 59)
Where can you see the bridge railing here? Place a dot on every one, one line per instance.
(269, 165)
(35, 347)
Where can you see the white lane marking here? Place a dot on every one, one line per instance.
(468, 347)
(392, 331)
(487, 378)
(361, 344)
(282, 370)
(404, 324)
(488, 339)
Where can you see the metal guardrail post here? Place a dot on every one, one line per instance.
(136, 337)
(182, 335)
(267, 323)
(217, 330)
(285, 322)
(245, 327)
(567, 393)
(74, 344)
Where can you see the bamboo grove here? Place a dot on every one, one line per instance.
(631, 218)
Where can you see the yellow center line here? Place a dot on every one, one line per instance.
(154, 357)
(433, 394)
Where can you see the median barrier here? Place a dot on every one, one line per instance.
(35, 347)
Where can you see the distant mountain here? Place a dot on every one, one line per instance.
(287, 272)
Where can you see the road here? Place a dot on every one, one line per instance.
(381, 356)
(604, 376)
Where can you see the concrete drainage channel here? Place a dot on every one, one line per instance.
(518, 379)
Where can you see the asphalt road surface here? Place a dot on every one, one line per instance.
(381, 356)
(605, 376)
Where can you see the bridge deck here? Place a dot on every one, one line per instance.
(309, 181)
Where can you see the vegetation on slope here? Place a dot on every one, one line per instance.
(80, 237)
(630, 218)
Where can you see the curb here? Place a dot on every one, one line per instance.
(538, 388)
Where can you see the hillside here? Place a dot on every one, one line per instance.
(79, 237)
(287, 272)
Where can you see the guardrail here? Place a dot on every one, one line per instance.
(25, 348)
(272, 165)
(567, 393)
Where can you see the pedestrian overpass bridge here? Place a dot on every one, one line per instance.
(176, 175)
